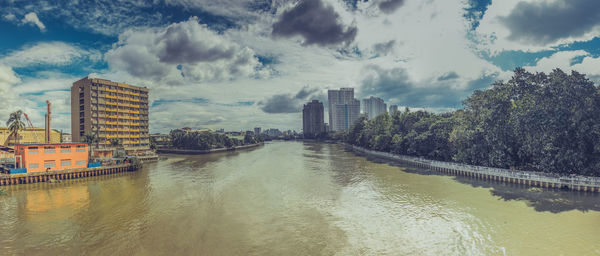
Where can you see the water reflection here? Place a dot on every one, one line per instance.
(286, 198)
(542, 200)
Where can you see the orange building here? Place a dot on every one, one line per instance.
(37, 157)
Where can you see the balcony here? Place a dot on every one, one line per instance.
(111, 97)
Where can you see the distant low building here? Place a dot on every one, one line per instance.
(273, 132)
(393, 108)
(66, 137)
(161, 140)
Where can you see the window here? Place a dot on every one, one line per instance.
(32, 152)
(49, 164)
(34, 166)
(65, 162)
(49, 150)
(65, 149)
(82, 162)
(80, 148)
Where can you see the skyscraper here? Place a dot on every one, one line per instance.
(344, 109)
(393, 108)
(313, 119)
(373, 106)
(110, 110)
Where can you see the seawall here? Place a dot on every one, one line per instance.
(207, 151)
(35, 177)
(574, 183)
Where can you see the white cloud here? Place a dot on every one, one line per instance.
(48, 53)
(8, 79)
(565, 61)
(9, 17)
(185, 51)
(32, 18)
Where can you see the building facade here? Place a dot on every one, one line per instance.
(27, 135)
(110, 110)
(344, 109)
(257, 130)
(313, 119)
(393, 108)
(40, 157)
(373, 106)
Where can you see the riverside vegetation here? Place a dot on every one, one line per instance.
(208, 140)
(533, 122)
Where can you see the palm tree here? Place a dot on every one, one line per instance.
(90, 139)
(15, 124)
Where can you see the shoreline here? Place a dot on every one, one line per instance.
(531, 179)
(205, 151)
(53, 176)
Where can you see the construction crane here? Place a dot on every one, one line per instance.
(31, 126)
(48, 119)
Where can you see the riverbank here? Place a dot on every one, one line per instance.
(548, 181)
(206, 151)
(52, 176)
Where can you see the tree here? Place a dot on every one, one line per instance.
(15, 124)
(90, 139)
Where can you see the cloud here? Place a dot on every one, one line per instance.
(567, 61)
(184, 51)
(290, 103)
(448, 76)
(32, 18)
(316, 22)
(9, 17)
(8, 78)
(389, 6)
(396, 86)
(546, 22)
(49, 53)
(384, 48)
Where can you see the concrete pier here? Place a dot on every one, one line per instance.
(35, 177)
(531, 179)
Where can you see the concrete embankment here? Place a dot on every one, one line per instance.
(574, 183)
(35, 177)
(207, 151)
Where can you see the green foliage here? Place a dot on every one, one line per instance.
(533, 122)
(136, 163)
(115, 142)
(90, 138)
(15, 124)
(208, 140)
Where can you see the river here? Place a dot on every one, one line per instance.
(293, 198)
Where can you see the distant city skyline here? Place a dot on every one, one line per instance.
(241, 64)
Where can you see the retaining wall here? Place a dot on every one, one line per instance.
(35, 177)
(576, 183)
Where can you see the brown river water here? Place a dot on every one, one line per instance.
(293, 198)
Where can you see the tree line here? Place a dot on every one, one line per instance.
(533, 122)
(208, 140)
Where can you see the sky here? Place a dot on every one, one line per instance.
(238, 64)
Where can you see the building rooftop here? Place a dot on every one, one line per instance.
(63, 143)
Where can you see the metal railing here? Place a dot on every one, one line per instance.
(500, 172)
